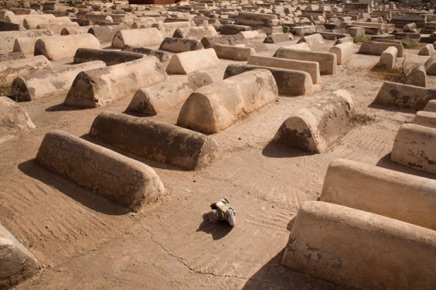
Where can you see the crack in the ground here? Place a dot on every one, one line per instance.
(185, 263)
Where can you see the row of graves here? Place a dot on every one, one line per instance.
(371, 228)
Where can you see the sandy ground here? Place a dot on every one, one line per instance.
(85, 242)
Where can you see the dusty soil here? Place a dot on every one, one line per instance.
(85, 242)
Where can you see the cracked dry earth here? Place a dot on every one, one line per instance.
(85, 242)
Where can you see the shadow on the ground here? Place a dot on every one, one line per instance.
(63, 107)
(274, 276)
(72, 190)
(277, 150)
(218, 230)
(386, 162)
(390, 108)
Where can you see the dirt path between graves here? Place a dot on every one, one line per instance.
(85, 242)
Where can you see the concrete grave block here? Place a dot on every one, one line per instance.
(233, 52)
(106, 33)
(75, 30)
(195, 32)
(65, 46)
(277, 37)
(166, 95)
(330, 242)
(388, 58)
(315, 39)
(317, 128)
(404, 96)
(57, 27)
(430, 65)
(257, 19)
(18, 67)
(414, 147)
(7, 38)
(310, 67)
(109, 57)
(48, 82)
(417, 77)
(431, 106)
(122, 180)
(301, 46)
(137, 37)
(13, 117)
(253, 34)
(425, 118)
(231, 29)
(176, 45)
(237, 39)
(102, 86)
(289, 82)
(154, 140)
(18, 263)
(327, 61)
(390, 193)
(377, 48)
(163, 56)
(343, 51)
(190, 61)
(427, 50)
(215, 107)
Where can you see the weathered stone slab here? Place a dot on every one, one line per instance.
(18, 263)
(327, 61)
(233, 52)
(163, 56)
(427, 50)
(7, 38)
(106, 33)
(102, 86)
(431, 106)
(122, 180)
(237, 39)
(277, 37)
(231, 29)
(256, 19)
(343, 51)
(176, 45)
(195, 32)
(48, 82)
(190, 61)
(377, 48)
(18, 67)
(13, 117)
(64, 46)
(109, 57)
(137, 37)
(315, 39)
(388, 58)
(417, 77)
(330, 242)
(404, 96)
(430, 65)
(34, 21)
(310, 67)
(393, 194)
(414, 147)
(317, 128)
(289, 82)
(75, 30)
(425, 118)
(166, 95)
(154, 140)
(217, 106)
